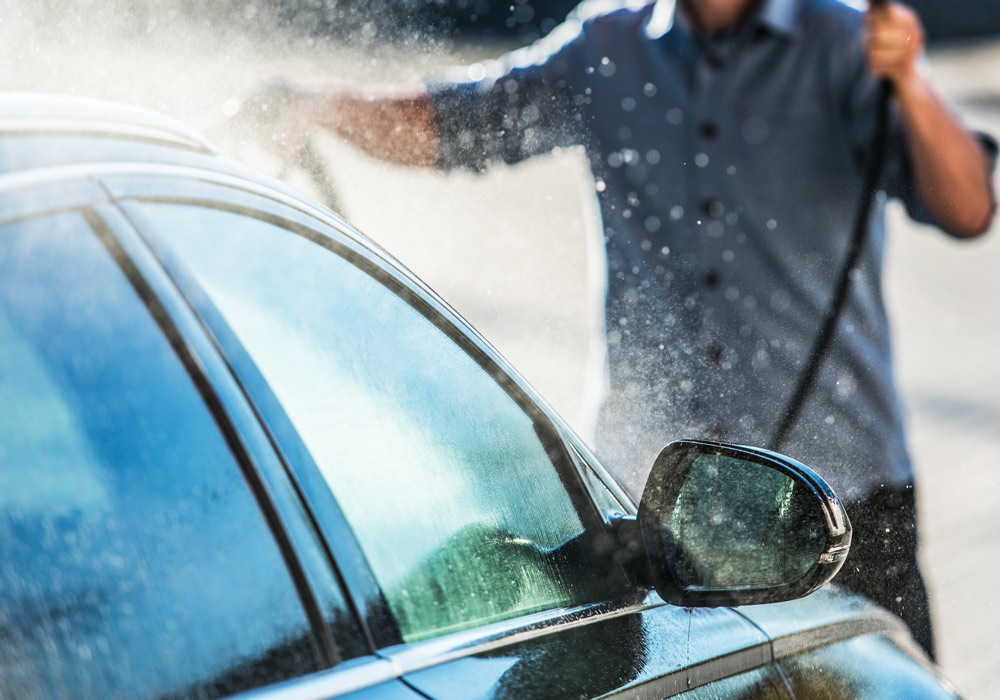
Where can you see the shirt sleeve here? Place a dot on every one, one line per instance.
(512, 108)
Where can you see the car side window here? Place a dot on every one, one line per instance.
(134, 559)
(450, 483)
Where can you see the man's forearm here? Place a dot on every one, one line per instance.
(950, 168)
(400, 129)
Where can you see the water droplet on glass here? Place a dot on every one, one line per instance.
(675, 116)
(701, 160)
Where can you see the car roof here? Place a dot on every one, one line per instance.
(44, 114)
(66, 135)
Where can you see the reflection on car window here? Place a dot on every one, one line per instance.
(444, 477)
(134, 560)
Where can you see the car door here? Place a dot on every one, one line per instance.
(475, 548)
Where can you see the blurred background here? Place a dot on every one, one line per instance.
(518, 250)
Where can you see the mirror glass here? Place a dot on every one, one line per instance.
(737, 523)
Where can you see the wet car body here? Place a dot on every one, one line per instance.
(189, 537)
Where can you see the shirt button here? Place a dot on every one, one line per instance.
(709, 130)
(713, 208)
(714, 61)
(715, 353)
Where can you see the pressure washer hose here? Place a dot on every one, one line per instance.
(821, 345)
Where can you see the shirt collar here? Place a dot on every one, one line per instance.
(780, 16)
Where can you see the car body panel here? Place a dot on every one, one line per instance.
(653, 650)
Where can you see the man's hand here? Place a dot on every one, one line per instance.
(896, 41)
(950, 168)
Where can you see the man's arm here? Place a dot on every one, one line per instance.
(950, 169)
(398, 128)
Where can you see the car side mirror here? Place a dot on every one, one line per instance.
(731, 525)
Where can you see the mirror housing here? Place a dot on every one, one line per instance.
(728, 525)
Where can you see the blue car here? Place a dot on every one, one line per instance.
(244, 452)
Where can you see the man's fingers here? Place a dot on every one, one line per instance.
(890, 37)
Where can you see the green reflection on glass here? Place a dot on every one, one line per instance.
(738, 524)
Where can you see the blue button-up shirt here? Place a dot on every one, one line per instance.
(729, 170)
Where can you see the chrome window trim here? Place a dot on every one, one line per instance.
(418, 656)
(241, 178)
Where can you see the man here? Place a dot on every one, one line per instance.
(728, 141)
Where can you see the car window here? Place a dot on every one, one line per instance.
(450, 484)
(134, 560)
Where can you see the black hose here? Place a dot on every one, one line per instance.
(873, 174)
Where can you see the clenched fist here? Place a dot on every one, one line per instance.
(896, 41)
